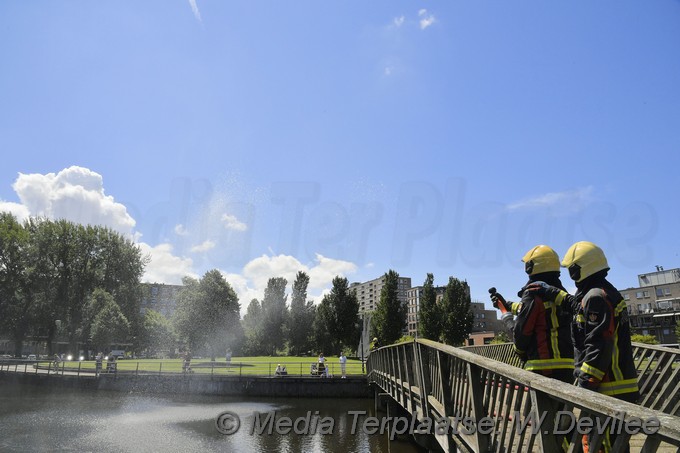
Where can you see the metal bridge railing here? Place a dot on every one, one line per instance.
(658, 370)
(528, 412)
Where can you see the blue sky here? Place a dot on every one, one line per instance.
(263, 138)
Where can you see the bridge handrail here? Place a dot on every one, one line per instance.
(435, 379)
(658, 369)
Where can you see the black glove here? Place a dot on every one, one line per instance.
(499, 301)
(543, 290)
(590, 383)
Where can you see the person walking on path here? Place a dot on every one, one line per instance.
(322, 366)
(343, 365)
(98, 363)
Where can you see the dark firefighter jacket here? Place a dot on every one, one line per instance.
(542, 334)
(601, 334)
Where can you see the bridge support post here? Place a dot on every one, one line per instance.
(474, 376)
(381, 401)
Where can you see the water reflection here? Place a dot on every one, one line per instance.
(38, 419)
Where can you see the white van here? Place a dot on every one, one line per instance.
(117, 353)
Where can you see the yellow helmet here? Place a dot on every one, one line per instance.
(583, 259)
(541, 259)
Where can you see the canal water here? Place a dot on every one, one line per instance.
(35, 419)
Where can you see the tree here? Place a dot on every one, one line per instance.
(71, 261)
(501, 337)
(97, 302)
(109, 324)
(429, 312)
(389, 318)
(187, 320)
(301, 315)
(337, 320)
(159, 335)
(16, 301)
(49, 269)
(207, 313)
(253, 329)
(457, 316)
(274, 314)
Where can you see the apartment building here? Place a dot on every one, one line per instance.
(654, 305)
(368, 293)
(485, 321)
(160, 297)
(413, 296)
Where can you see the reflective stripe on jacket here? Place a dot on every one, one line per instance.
(542, 336)
(604, 354)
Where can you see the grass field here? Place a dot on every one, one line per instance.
(253, 366)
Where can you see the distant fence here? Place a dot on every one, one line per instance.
(175, 367)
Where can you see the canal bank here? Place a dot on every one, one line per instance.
(190, 384)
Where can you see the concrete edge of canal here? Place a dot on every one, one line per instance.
(285, 387)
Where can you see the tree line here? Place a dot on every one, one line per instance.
(58, 278)
(448, 320)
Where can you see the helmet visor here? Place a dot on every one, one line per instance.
(529, 267)
(575, 272)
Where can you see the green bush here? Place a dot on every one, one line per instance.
(646, 339)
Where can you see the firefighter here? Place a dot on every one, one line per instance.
(600, 329)
(541, 334)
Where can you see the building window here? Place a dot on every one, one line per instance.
(666, 291)
(665, 305)
(626, 296)
(645, 294)
(638, 295)
(659, 292)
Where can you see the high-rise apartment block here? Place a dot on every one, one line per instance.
(368, 293)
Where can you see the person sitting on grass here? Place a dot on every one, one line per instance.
(280, 370)
(111, 364)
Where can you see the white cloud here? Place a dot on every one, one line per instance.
(17, 210)
(75, 194)
(194, 9)
(398, 21)
(426, 19)
(203, 247)
(321, 275)
(388, 71)
(164, 267)
(180, 230)
(232, 223)
(566, 202)
(261, 269)
(252, 281)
